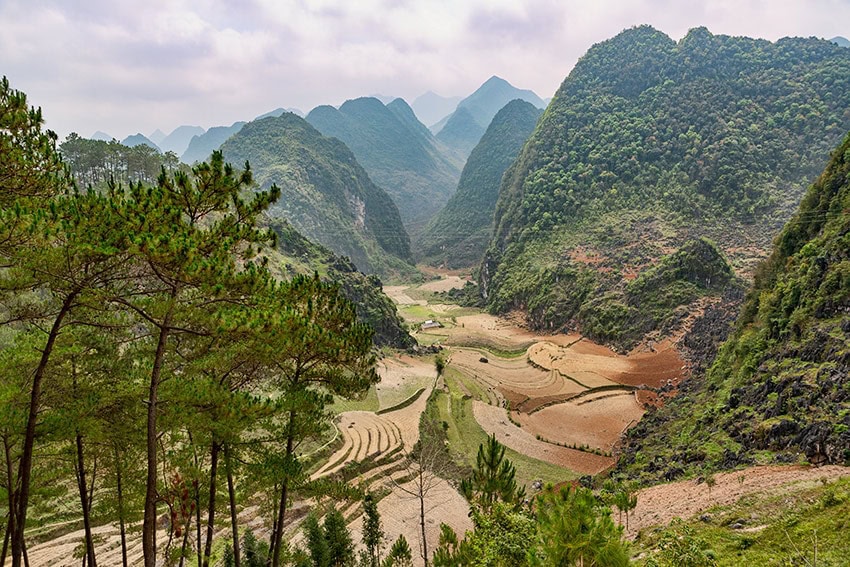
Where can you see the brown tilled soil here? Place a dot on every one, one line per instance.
(513, 374)
(596, 420)
(658, 505)
(445, 284)
(494, 420)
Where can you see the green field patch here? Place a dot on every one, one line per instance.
(368, 403)
(465, 435)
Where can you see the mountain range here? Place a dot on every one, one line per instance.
(397, 151)
(462, 129)
(457, 236)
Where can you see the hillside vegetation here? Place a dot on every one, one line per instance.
(458, 235)
(650, 143)
(397, 151)
(779, 389)
(325, 193)
(294, 254)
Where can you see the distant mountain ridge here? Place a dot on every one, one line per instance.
(842, 41)
(457, 237)
(178, 140)
(463, 129)
(648, 144)
(138, 139)
(202, 146)
(397, 151)
(325, 193)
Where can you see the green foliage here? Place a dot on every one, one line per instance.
(95, 163)
(400, 554)
(502, 537)
(457, 236)
(574, 528)
(679, 546)
(373, 535)
(339, 545)
(317, 545)
(294, 254)
(397, 151)
(779, 386)
(325, 193)
(493, 479)
(692, 137)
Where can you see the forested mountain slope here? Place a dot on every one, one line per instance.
(325, 193)
(397, 151)
(294, 254)
(650, 143)
(458, 235)
(780, 386)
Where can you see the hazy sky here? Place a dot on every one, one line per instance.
(130, 66)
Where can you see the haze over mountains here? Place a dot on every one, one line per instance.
(457, 236)
(462, 129)
(399, 153)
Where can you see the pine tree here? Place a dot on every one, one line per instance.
(338, 539)
(400, 554)
(493, 479)
(317, 545)
(373, 535)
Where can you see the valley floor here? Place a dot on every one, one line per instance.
(559, 403)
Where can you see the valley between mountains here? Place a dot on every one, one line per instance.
(608, 328)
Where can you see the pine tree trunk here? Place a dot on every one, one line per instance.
(6, 540)
(84, 501)
(196, 485)
(121, 526)
(25, 469)
(10, 493)
(232, 497)
(211, 504)
(149, 523)
(281, 512)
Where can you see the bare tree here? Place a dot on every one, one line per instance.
(425, 466)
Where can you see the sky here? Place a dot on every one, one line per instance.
(125, 66)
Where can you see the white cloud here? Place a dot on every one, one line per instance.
(124, 67)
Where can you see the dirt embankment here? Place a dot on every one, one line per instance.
(658, 505)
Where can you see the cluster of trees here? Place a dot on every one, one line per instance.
(570, 526)
(96, 162)
(148, 353)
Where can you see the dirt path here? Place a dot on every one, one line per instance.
(494, 420)
(658, 505)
